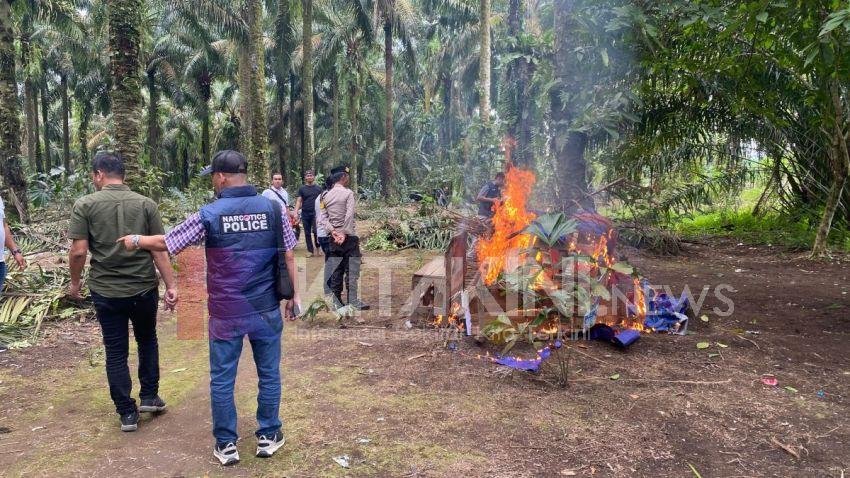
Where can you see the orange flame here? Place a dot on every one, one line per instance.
(640, 301)
(511, 217)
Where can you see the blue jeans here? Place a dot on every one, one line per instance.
(2, 275)
(224, 359)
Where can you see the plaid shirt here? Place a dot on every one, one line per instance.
(192, 231)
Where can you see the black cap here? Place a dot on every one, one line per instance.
(227, 161)
(340, 169)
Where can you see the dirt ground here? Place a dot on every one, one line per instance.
(397, 402)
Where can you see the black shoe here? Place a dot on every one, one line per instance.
(359, 305)
(267, 445)
(226, 453)
(130, 421)
(152, 405)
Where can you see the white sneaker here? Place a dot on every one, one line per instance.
(227, 454)
(266, 446)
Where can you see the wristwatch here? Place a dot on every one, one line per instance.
(135, 240)
(15, 252)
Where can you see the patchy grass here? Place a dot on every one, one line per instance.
(768, 229)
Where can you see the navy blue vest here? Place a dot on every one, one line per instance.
(241, 249)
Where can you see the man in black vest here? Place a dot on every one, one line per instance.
(240, 231)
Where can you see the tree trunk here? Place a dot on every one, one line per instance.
(243, 79)
(335, 157)
(39, 163)
(293, 127)
(10, 127)
(283, 26)
(45, 104)
(258, 166)
(569, 145)
(388, 158)
(85, 118)
(484, 61)
(29, 116)
(66, 129)
(307, 81)
(353, 105)
(124, 38)
(517, 77)
(31, 132)
(152, 143)
(204, 89)
(840, 162)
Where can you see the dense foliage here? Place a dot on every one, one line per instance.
(653, 109)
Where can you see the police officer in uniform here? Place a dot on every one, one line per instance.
(240, 230)
(336, 217)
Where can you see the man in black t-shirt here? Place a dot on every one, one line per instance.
(306, 206)
(490, 195)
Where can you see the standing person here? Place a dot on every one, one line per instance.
(344, 257)
(322, 238)
(305, 208)
(9, 242)
(123, 284)
(490, 195)
(276, 192)
(241, 231)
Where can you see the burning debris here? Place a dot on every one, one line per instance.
(542, 277)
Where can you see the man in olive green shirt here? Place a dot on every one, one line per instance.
(123, 284)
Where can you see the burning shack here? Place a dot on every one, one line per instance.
(540, 272)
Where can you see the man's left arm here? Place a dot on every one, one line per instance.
(160, 258)
(189, 232)
(13, 246)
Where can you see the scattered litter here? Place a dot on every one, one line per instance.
(769, 380)
(619, 337)
(364, 441)
(722, 346)
(703, 318)
(703, 345)
(343, 461)
(568, 473)
(452, 345)
(365, 344)
(616, 376)
(408, 324)
(381, 419)
(414, 357)
(178, 370)
(753, 332)
(791, 389)
(713, 355)
(37, 429)
(821, 394)
(739, 270)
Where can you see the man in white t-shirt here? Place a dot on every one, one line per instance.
(9, 242)
(277, 193)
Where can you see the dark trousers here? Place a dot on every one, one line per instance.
(344, 259)
(310, 234)
(114, 315)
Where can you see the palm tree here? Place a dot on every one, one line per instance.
(10, 141)
(124, 40)
(307, 82)
(343, 37)
(484, 61)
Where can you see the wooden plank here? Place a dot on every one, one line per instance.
(434, 268)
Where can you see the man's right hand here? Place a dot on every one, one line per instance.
(170, 299)
(74, 291)
(339, 237)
